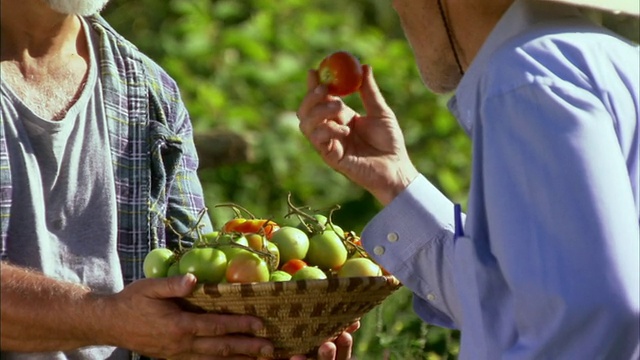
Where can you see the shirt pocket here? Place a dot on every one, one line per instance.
(166, 154)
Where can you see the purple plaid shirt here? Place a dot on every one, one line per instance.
(152, 150)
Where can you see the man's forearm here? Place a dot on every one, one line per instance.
(43, 314)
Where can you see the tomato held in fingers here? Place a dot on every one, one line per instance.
(341, 72)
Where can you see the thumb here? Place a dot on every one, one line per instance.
(172, 287)
(372, 99)
(312, 79)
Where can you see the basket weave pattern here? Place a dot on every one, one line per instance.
(298, 315)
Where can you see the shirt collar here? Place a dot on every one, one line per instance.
(521, 15)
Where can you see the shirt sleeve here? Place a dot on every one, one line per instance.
(561, 218)
(185, 203)
(412, 239)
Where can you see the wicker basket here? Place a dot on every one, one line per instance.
(298, 315)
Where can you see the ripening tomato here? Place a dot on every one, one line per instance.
(247, 267)
(157, 262)
(251, 226)
(293, 266)
(355, 267)
(341, 72)
(256, 241)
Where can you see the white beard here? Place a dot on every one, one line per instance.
(77, 7)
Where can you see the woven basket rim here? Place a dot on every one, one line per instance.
(296, 285)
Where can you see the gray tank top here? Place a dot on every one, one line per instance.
(63, 217)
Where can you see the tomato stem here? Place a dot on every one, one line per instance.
(295, 210)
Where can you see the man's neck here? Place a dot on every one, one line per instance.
(44, 57)
(31, 30)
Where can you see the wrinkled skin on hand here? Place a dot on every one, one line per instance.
(368, 148)
(146, 319)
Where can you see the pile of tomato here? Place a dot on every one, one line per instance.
(248, 249)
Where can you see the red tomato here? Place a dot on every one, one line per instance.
(292, 266)
(341, 72)
(233, 225)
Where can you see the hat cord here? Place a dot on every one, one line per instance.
(450, 36)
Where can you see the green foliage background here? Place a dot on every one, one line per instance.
(241, 66)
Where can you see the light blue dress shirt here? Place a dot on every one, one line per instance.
(548, 267)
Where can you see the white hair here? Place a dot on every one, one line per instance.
(77, 7)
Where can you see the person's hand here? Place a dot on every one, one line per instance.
(145, 318)
(369, 149)
(338, 349)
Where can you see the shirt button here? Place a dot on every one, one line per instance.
(431, 297)
(378, 250)
(392, 237)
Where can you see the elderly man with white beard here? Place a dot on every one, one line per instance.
(95, 149)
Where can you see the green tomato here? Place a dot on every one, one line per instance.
(326, 250)
(211, 238)
(292, 243)
(207, 264)
(229, 250)
(337, 229)
(312, 227)
(309, 273)
(157, 262)
(280, 275)
(360, 266)
(174, 269)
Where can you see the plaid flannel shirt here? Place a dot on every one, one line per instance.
(152, 150)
